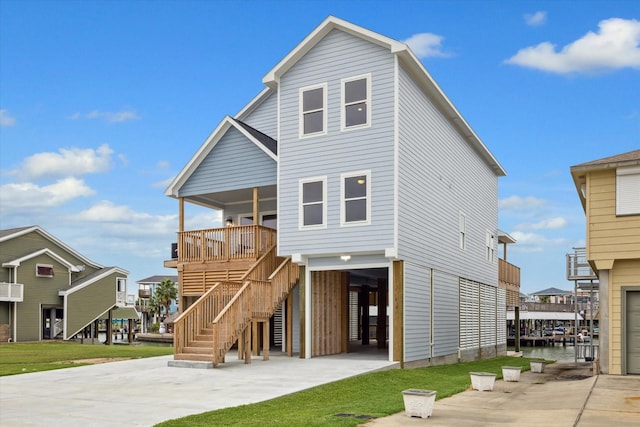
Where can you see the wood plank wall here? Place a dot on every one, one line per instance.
(329, 296)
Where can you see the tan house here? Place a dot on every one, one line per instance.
(609, 191)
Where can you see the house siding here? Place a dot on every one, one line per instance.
(98, 297)
(625, 273)
(265, 116)
(609, 236)
(440, 175)
(337, 152)
(234, 163)
(417, 312)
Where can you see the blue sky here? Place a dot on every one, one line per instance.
(103, 102)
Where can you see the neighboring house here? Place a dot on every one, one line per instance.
(146, 289)
(552, 296)
(609, 190)
(50, 291)
(382, 195)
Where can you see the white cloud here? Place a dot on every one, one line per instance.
(614, 46)
(67, 162)
(111, 117)
(520, 203)
(162, 164)
(425, 45)
(554, 223)
(533, 242)
(122, 220)
(163, 184)
(5, 119)
(29, 196)
(535, 19)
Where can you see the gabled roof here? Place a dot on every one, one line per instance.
(87, 280)
(16, 262)
(13, 233)
(551, 291)
(408, 59)
(151, 280)
(262, 141)
(630, 158)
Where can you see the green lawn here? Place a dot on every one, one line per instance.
(348, 402)
(20, 358)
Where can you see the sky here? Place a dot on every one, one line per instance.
(102, 103)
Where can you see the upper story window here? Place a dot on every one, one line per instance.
(313, 115)
(628, 191)
(462, 226)
(44, 270)
(356, 111)
(356, 203)
(490, 239)
(313, 203)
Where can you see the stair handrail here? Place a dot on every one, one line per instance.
(282, 280)
(234, 318)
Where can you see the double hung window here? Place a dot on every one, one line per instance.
(356, 203)
(356, 110)
(313, 104)
(313, 206)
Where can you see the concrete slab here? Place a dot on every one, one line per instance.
(144, 392)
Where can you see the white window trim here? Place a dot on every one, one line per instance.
(462, 231)
(301, 91)
(343, 113)
(343, 213)
(627, 203)
(490, 254)
(301, 225)
(45, 266)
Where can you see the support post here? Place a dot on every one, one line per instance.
(364, 292)
(517, 320)
(265, 340)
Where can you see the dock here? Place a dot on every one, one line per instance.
(528, 341)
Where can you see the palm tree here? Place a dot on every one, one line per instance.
(165, 293)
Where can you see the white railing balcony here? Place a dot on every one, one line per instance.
(121, 299)
(11, 292)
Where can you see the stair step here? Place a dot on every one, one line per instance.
(193, 357)
(199, 343)
(198, 350)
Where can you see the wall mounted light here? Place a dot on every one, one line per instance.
(229, 221)
(345, 258)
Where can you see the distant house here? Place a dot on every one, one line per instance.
(50, 291)
(146, 289)
(382, 196)
(552, 296)
(609, 191)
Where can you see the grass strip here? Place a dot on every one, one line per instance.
(21, 358)
(351, 401)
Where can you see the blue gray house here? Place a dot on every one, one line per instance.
(385, 203)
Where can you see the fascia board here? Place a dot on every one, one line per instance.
(53, 239)
(254, 103)
(272, 77)
(92, 280)
(47, 251)
(211, 141)
(426, 82)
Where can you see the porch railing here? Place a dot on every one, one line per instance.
(11, 292)
(223, 244)
(509, 279)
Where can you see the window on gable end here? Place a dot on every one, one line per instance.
(44, 270)
(313, 117)
(490, 239)
(313, 206)
(628, 191)
(356, 110)
(356, 202)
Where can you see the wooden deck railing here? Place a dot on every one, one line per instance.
(283, 279)
(223, 244)
(509, 279)
(199, 316)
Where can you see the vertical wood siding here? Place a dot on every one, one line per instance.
(445, 314)
(234, 163)
(337, 56)
(441, 175)
(417, 312)
(328, 289)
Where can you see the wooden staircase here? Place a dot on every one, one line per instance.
(225, 313)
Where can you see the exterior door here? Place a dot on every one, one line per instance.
(633, 332)
(266, 219)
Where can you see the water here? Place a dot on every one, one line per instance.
(553, 352)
